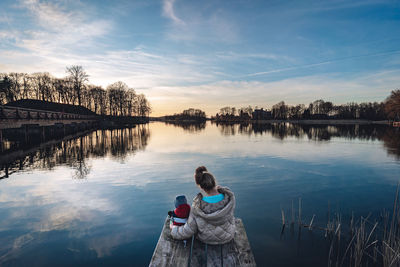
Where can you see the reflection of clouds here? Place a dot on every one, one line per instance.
(63, 217)
(122, 175)
(19, 243)
(22, 240)
(104, 245)
(51, 201)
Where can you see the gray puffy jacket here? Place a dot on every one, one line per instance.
(214, 223)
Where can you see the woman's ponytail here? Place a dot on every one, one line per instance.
(204, 179)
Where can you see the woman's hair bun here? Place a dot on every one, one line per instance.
(200, 170)
(205, 179)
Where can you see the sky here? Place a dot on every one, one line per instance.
(211, 54)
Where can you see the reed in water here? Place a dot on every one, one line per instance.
(365, 241)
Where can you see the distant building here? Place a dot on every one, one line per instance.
(261, 114)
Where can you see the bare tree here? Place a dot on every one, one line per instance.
(131, 101)
(5, 88)
(43, 86)
(97, 98)
(280, 111)
(78, 77)
(226, 111)
(143, 106)
(27, 86)
(117, 97)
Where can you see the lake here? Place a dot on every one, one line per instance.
(100, 198)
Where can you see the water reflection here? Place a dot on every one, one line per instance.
(114, 216)
(72, 151)
(389, 135)
(189, 126)
(21, 153)
(313, 132)
(391, 141)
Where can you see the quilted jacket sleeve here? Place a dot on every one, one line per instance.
(185, 231)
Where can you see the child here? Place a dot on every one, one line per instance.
(181, 213)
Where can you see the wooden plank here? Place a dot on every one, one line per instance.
(170, 252)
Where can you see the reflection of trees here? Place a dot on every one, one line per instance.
(81, 167)
(230, 128)
(74, 152)
(391, 141)
(389, 135)
(312, 132)
(190, 127)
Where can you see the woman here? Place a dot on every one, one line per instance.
(211, 215)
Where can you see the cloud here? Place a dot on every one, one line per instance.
(231, 55)
(62, 35)
(50, 15)
(139, 67)
(57, 30)
(200, 25)
(168, 11)
(58, 35)
(342, 4)
(327, 62)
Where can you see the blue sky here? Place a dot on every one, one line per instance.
(210, 54)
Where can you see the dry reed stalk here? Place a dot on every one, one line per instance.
(391, 243)
(299, 211)
(292, 213)
(311, 222)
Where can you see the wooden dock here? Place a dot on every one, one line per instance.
(170, 252)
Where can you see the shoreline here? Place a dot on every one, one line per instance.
(322, 122)
(333, 122)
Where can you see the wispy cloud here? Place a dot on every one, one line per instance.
(139, 67)
(168, 11)
(384, 53)
(343, 4)
(230, 55)
(65, 36)
(59, 34)
(199, 24)
(58, 30)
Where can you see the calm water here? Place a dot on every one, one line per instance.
(101, 198)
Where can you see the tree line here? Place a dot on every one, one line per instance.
(319, 109)
(190, 114)
(118, 99)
